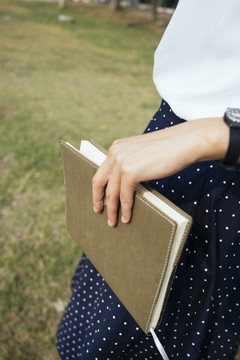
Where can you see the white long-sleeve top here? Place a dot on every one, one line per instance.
(197, 63)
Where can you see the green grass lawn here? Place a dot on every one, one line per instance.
(92, 78)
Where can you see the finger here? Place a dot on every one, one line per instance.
(99, 182)
(112, 199)
(126, 198)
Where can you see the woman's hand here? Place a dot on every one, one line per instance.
(151, 156)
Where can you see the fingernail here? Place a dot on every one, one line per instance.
(123, 219)
(110, 223)
(94, 209)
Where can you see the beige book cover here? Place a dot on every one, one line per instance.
(137, 260)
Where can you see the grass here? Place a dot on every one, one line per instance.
(91, 78)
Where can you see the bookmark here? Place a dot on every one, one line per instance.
(159, 345)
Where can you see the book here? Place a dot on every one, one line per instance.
(138, 260)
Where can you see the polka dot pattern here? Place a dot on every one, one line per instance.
(202, 317)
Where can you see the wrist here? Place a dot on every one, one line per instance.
(213, 139)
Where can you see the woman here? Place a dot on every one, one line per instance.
(197, 72)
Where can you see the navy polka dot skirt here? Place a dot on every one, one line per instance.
(202, 317)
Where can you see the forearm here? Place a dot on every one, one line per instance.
(205, 139)
(210, 138)
(213, 138)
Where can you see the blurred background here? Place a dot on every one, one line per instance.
(68, 70)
